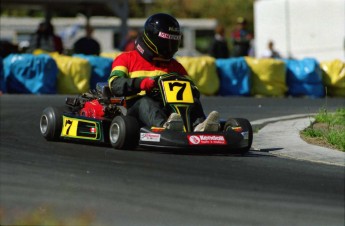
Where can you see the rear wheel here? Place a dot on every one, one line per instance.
(51, 123)
(247, 130)
(124, 132)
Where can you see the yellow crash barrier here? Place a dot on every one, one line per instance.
(74, 74)
(333, 75)
(203, 72)
(268, 77)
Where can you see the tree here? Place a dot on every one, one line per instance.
(225, 11)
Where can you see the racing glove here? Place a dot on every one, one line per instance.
(147, 84)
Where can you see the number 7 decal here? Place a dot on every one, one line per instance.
(69, 124)
(179, 95)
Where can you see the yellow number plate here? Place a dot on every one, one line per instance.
(178, 92)
(79, 128)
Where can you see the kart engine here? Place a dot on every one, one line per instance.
(93, 105)
(92, 109)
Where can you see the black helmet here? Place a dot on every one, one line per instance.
(162, 35)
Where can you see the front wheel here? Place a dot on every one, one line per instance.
(124, 132)
(51, 123)
(247, 131)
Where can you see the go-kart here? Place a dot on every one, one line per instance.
(97, 116)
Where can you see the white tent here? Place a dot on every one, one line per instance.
(301, 28)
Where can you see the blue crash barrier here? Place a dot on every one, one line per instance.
(304, 78)
(234, 75)
(100, 68)
(31, 74)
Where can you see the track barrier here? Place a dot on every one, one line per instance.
(52, 73)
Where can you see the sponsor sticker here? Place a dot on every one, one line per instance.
(140, 49)
(206, 139)
(174, 29)
(151, 137)
(169, 36)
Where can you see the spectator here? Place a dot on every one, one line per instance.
(251, 51)
(87, 45)
(7, 48)
(271, 52)
(45, 39)
(219, 47)
(129, 43)
(241, 38)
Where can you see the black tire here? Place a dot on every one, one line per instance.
(124, 132)
(246, 126)
(51, 123)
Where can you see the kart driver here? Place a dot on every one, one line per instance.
(133, 72)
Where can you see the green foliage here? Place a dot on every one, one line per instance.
(340, 116)
(225, 12)
(310, 132)
(337, 118)
(334, 130)
(336, 138)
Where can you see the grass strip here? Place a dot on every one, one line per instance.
(328, 129)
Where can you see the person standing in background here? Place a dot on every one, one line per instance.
(270, 52)
(87, 45)
(45, 39)
(219, 47)
(241, 38)
(129, 43)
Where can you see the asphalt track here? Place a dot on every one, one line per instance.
(78, 184)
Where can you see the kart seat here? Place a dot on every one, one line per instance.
(103, 88)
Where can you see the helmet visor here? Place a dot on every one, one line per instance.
(163, 44)
(168, 45)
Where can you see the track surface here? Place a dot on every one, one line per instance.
(80, 184)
